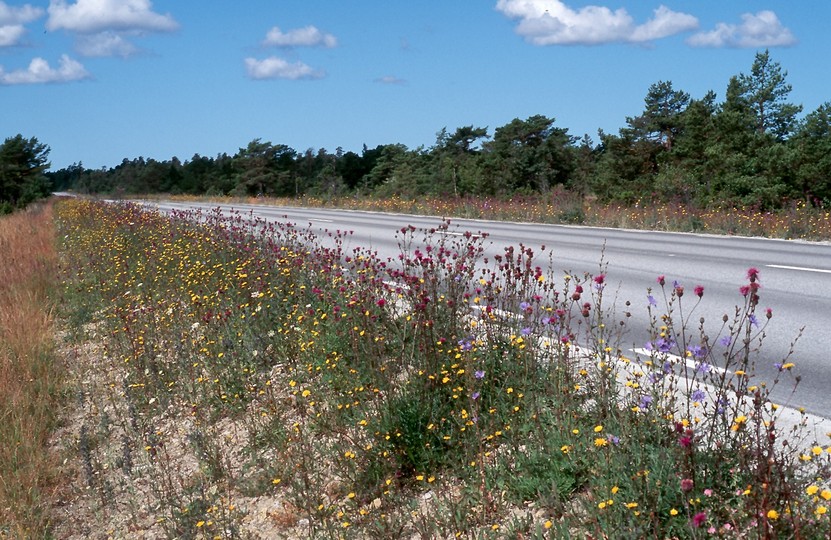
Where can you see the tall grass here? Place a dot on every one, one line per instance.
(30, 378)
(257, 378)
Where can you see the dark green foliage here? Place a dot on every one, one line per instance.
(22, 164)
(749, 149)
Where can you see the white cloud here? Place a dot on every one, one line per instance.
(552, 22)
(760, 30)
(92, 16)
(12, 20)
(39, 71)
(308, 36)
(10, 15)
(390, 79)
(277, 68)
(11, 34)
(105, 44)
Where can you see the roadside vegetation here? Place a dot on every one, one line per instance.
(242, 378)
(30, 378)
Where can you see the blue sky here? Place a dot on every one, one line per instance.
(103, 80)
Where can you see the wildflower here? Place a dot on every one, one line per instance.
(687, 484)
(598, 428)
(698, 395)
(821, 510)
(651, 300)
(599, 279)
(726, 341)
(673, 512)
(474, 396)
(525, 331)
(699, 290)
(548, 524)
(600, 442)
(661, 280)
(753, 321)
(825, 494)
(753, 274)
(699, 519)
(479, 374)
(811, 490)
(773, 515)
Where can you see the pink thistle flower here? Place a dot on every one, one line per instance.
(699, 519)
(699, 290)
(753, 273)
(661, 280)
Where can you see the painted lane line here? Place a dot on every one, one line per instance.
(802, 268)
(322, 220)
(689, 362)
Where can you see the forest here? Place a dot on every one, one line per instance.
(753, 148)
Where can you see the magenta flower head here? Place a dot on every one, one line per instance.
(687, 484)
(600, 279)
(699, 519)
(699, 290)
(753, 274)
(661, 280)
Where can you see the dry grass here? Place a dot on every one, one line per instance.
(29, 379)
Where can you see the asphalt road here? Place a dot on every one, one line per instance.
(795, 278)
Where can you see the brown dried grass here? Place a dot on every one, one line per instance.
(29, 376)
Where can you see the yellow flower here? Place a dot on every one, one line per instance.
(598, 429)
(600, 442)
(547, 524)
(673, 512)
(817, 450)
(773, 515)
(821, 510)
(306, 393)
(811, 490)
(825, 494)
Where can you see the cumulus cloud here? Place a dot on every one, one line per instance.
(18, 15)
(760, 30)
(105, 44)
(12, 19)
(11, 34)
(390, 79)
(93, 16)
(39, 71)
(552, 22)
(274, 67)
(308, 36)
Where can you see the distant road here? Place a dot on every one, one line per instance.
(795, 276)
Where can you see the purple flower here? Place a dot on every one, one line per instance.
(645, 402)
(726, 341)
(753, 320)
(697, 351)
(474, 396)
(614, 439)
(479, 374)
(704, 368)
(525, 331)
(698, 395)
(652, 301)
(466, 344)
(524, 306)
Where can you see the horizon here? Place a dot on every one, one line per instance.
(100, 81)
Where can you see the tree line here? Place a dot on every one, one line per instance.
(754, 147)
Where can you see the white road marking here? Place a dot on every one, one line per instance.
(802, 268)
(322, 220)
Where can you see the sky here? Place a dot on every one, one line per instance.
(104, 80)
